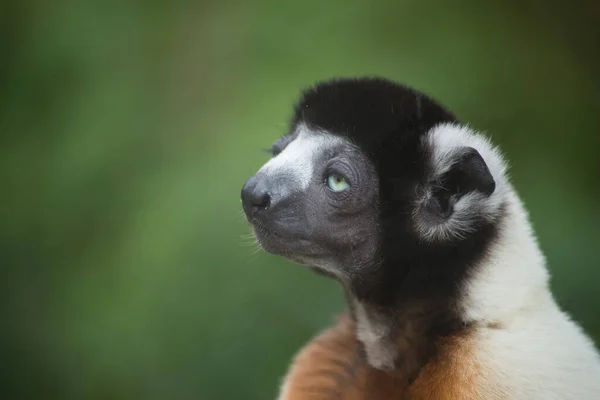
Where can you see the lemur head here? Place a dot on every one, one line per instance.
(380, 187)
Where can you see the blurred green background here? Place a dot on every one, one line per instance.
(127, 131)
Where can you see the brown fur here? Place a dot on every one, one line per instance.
(453, 374)
(332, 367)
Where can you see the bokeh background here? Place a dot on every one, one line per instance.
(128, 128)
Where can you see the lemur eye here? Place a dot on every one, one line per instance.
(337, 183)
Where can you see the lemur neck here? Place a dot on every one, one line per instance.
(401, 339)
(514, 280)
(413, 298)
(400, 316)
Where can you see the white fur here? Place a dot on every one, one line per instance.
(445, 140)
(374, 333)
(537, 352)
(296, 161)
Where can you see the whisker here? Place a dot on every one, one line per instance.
(248, 236)
(242, 215)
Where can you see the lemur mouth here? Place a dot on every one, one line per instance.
(276, 241)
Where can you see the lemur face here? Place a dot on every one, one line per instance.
(377, 185)
(315, 201)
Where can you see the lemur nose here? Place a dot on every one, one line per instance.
(255, 197)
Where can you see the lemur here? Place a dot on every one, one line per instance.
(381, 188)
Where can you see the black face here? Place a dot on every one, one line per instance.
(315, 202)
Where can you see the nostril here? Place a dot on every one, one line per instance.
(261, 201)
(255, 197)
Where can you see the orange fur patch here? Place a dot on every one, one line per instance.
(330, 367)
(453, 374)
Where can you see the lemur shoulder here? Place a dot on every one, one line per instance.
(381, 188)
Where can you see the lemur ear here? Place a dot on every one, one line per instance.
(467, 173)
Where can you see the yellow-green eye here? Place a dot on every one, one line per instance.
(337, 183)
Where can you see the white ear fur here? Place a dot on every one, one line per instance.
(444, 141)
